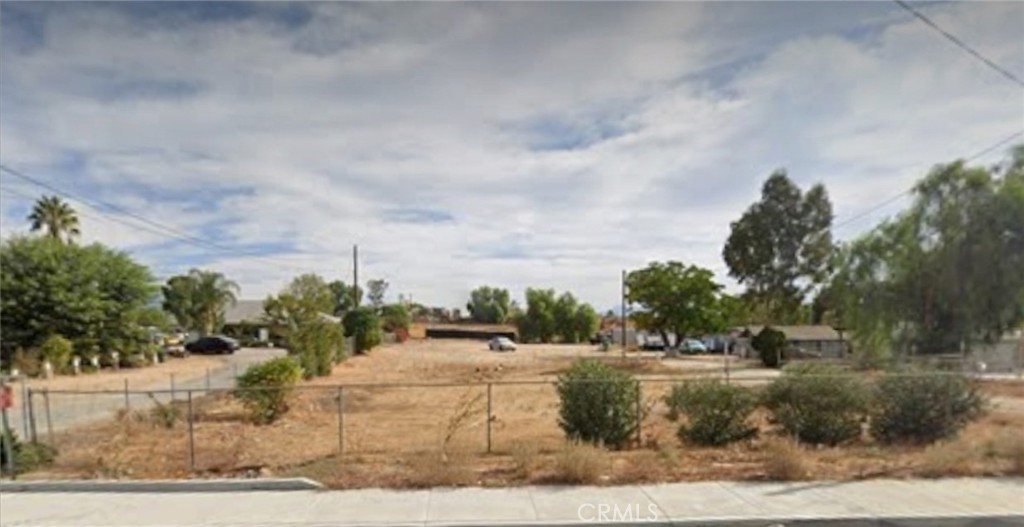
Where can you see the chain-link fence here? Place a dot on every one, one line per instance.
(192, 429)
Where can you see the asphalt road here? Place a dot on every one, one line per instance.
(73, 409)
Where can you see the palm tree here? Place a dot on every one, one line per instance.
(213, 293)
(55, 216)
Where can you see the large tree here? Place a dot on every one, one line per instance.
(92, 295)
(56, 217)
(346, 297)
(198, 299)
(947, 271)
(550, 318)
(781, 246)
(680, 298)
(489, 305)
(305, 299)
(375, 291)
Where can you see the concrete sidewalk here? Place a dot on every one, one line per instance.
(932, 503)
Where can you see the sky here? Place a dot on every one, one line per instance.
(465, 144)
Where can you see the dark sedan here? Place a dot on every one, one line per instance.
(215, 344)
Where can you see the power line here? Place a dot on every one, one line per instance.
(155, 227)
(883, 204)
(961, 44)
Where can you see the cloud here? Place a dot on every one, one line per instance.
(512, 144)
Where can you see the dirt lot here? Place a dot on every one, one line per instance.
(435, 433)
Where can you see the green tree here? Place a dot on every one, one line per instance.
(944, 273)
(780, 247)
(375, 291)
(363, 325)
(198, 300)
(395, 317)
(56, 217)
(90, 295)
(344, 297)
(305, 299)
(489, 305)
(548, 318)
(676, 297)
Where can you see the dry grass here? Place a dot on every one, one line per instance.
(525, 460)
(580, 464)
(440, 469)
(411, 437)
(947, 460)
(785, 460)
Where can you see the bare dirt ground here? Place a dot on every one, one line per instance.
(436, 432)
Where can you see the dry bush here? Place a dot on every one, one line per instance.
(468, 406)
(580, 463)
(440, 469)
(1008, 445)
(785, 460)
(951, 459)
(524, 459)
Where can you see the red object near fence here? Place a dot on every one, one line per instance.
(6, 397)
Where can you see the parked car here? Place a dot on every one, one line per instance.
(213, 344)
(653, 343)
(501, 344)
(692, 346)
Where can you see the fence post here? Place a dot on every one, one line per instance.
(490, 416)
(191, 435)
(32, 415)
(24, 407)
(207, 379)
(725, 354)
(8, 438)
(49, 420)
(127, 405)
(174, 393)
(639, 415)
(341, 419)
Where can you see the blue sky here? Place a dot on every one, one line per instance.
(462, 144)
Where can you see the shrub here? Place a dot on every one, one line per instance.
(717, 413)
(135, 360)
(923, 407)
(437, 469)
(818, 403)
(57, 350)
(785, 461)
(524, 459)
(770, 344)
(364, 325)
(598, 403)
(947, 460)
(580, 463)
(318, 345)
(27, 362)
(264, 388)
(27, 456)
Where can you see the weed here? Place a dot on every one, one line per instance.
(785, 460)
(580, 463)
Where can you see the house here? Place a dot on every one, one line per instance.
(802, 341)
(244, 321)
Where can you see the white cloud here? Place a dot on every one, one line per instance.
(306, 138)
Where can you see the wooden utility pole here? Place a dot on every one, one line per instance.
(355, 275)
(624, 325)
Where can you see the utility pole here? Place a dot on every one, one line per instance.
(624, 325)
(355, 275)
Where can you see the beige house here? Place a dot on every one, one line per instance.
(803, 341)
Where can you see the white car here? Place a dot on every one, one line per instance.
(501, 344)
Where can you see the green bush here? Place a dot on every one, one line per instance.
(770, 344)
(318, 345)
(598, 403)
(923, 407)
(134, 360)
(716, 413)
(27, 362)
(27, 456)
(818, 403)
(364, 325)
(57, 350)
(264, 388)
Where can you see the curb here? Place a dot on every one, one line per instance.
(198, 485)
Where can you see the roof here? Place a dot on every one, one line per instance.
(799, 332)
(251, 311)
(244, 311)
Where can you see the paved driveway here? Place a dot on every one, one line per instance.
(72, 409)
